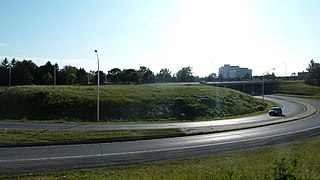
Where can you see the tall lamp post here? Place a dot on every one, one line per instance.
(54, 75)
(98, 91)
(285, 69)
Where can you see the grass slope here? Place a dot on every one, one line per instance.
(298, 88)
(25, 137)
(125, 103)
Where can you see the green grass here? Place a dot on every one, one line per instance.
(269, 105)
(126, 103)
(252, 164)
(24, 137)
(2, 88)
(298, 88)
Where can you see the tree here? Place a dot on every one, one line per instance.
(13, 62)
(102, 77)
(130, 75)
(211, 78)
(185, 75)
(164, 75)
(82, 76)
(41, 71)
(114, 75)
(4, 72)
(147, 75)
(21, 74)
(313, 76)
(267, 76)
(5, 63)
(70, 73)
(62, 77)
(47, 79)
(31, 66)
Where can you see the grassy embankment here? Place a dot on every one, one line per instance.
(299, 88)
(174, 99)
(126, 103)
(253, 164)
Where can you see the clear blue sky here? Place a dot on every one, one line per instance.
(203, 34)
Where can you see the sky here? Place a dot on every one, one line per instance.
(203, 34)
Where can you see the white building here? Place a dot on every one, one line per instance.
(234, 72)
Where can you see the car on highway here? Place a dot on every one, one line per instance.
(202, 82)
(275, 111)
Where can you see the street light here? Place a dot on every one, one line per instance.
(263, 81)
(98, 84)
(54, 75)
(285, 69)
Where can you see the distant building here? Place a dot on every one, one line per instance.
(302, 75)
(234, 72)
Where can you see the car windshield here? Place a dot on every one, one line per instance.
(159, 89)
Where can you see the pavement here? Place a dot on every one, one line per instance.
(310, 110)
(205, 127)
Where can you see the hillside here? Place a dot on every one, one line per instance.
(125, 103)
(298, 87)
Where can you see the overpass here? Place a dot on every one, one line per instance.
(249, 87)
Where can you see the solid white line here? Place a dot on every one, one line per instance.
(160, 150)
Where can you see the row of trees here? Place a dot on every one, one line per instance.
(313, 76)
(26, 72)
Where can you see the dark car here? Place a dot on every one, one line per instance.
(275, 111)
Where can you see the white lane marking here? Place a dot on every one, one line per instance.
(159, 150)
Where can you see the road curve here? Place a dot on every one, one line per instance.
(289, 106)
(34, 159)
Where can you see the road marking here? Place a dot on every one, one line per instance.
(160, 150)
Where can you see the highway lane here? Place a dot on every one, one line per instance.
(289, 109)
(34, 159)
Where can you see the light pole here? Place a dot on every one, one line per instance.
(285, 69)
(54, 75)
(263, 86)
(98, 91)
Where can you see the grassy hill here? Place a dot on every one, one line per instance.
(298, 88)
(125, 103)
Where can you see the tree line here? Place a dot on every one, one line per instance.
(313, 75)
(26, 72)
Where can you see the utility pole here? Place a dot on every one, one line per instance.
(98, 91)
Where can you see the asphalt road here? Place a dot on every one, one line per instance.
(289, 109)
(44, 158)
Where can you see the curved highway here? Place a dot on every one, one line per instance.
(30, 159)
(290, 109)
